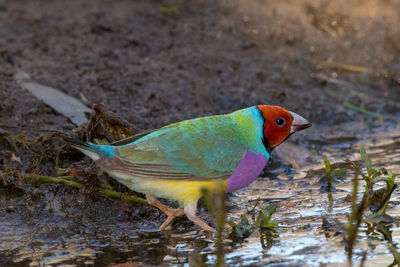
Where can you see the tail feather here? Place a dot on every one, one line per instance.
(75, 142)
(91, 150)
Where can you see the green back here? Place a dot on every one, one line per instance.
(199, 149)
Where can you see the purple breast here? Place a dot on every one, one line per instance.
(248, 170)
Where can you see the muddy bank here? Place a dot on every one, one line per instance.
(204, 58)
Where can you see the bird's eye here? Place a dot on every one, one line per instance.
(280, 122)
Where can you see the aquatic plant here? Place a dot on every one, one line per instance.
(375, 200)
(268, 228)
(332, 176)
(216, 204)
(263, 222)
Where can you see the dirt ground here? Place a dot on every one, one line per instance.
(156, 62)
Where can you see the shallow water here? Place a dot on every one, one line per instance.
(302, 240)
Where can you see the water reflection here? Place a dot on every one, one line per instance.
(29, 240)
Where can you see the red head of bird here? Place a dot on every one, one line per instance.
(279, 124)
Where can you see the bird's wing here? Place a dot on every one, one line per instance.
(132, 138)
(202, 149)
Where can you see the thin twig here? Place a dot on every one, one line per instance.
(66, 180)
(341, 67)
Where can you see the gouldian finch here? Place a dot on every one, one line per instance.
(217, 153)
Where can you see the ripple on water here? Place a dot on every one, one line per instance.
(302, 241)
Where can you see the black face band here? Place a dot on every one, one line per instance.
(266, 145)
(263, 139)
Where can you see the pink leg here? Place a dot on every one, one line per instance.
(190, 211)
(171, 213)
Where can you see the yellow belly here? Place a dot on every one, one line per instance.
(182, 191)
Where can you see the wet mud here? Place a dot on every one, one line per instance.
(156, 62)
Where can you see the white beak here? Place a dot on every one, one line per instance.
(299, 123)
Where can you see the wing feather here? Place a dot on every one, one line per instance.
(201, 149)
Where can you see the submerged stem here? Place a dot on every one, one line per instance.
(66, 180)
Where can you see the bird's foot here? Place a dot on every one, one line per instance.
(190, 211)
(202, 224)
(171, 213)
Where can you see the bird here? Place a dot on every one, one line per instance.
(220, 153)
